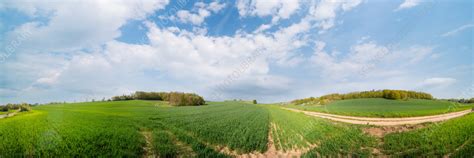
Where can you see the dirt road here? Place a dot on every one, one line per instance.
(385, 121)
(9, 114)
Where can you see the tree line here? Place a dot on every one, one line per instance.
(386, 93)
(22, 107)
(463, 101)
(174, 98)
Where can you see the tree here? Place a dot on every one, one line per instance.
(25, 107)
(254, 101)
(4, 108)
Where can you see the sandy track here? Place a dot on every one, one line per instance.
(9, 114)
(385, 121)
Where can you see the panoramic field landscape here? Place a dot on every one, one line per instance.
(236, 78)
(152, 125)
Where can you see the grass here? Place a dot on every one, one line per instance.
(298, 131)
(453, 136)
(377, 107)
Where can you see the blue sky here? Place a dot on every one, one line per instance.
(267, 50)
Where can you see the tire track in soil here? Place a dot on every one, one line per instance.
(272, 150)
(148, 148)
(9, 114)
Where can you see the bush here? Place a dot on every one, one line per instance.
(4, 108)
(123, 97)
(147, 95)
(22, 107)
(25, 107)
(254, 101)
(185, 99)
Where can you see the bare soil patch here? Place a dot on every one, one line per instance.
(380, 131)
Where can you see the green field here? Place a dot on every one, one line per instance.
(437, 139)
(114, 129)
(142, 128)
(298, 131)
(378, 107)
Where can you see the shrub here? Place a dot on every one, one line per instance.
(22, 107)
(4, 108)
(25, 107)
(147, 95)
(123, 97)
(185, 99)
(254, 101)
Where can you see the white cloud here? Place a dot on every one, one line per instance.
(215, 6)
(74, 25)
(281, 9)
(437, 82)
(418, 53)
(361, 56)
(408, 4)
(367, 58)
(262, 28)
(51, 78)
(198, 14)
(457, 30)
(189, 59)
(325, 11)
(196, 19)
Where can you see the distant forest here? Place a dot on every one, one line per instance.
(386, 93)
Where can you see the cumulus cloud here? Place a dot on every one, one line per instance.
(215, 6)
(279, 9)
(199, 13)
(323, 13)
(360, 57)
(196, 19)
(74, 25)
(326, 10)
(184, 57)
(408, 4)
(367, 58)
